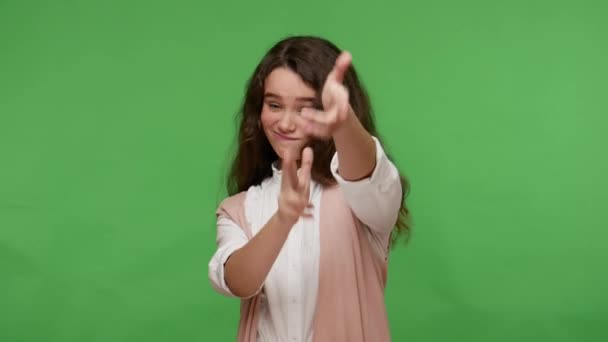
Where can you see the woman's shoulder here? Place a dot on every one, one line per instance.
(232, 203)
(239, 200)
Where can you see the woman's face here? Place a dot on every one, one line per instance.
(285, 94)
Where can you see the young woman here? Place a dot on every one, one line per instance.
(314, 205)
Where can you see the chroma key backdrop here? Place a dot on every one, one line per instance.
(117, 127)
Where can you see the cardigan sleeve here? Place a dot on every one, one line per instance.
(374, 200)
(233, 232)
(230, 237)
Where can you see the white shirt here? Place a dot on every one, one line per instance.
(290, 289)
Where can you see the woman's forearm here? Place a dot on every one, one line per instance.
(247, 268)
(356, 149)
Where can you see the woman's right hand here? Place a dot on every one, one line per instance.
(294, 199)
(247, 267)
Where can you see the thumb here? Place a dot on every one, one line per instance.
(289, 171)
(341, 66)
(307, 158)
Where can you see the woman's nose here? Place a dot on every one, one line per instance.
(288, 122)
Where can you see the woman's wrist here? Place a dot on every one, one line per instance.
(285, 220)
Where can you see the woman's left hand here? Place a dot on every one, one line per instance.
(323, 123)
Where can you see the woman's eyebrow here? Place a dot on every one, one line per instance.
(306, 99)
(299, 99)
(268, 94)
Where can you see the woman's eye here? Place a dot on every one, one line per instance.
(274, 106)
(303, 108)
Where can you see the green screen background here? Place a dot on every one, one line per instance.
(116, 125)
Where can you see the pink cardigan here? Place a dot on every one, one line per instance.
(350, 299)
